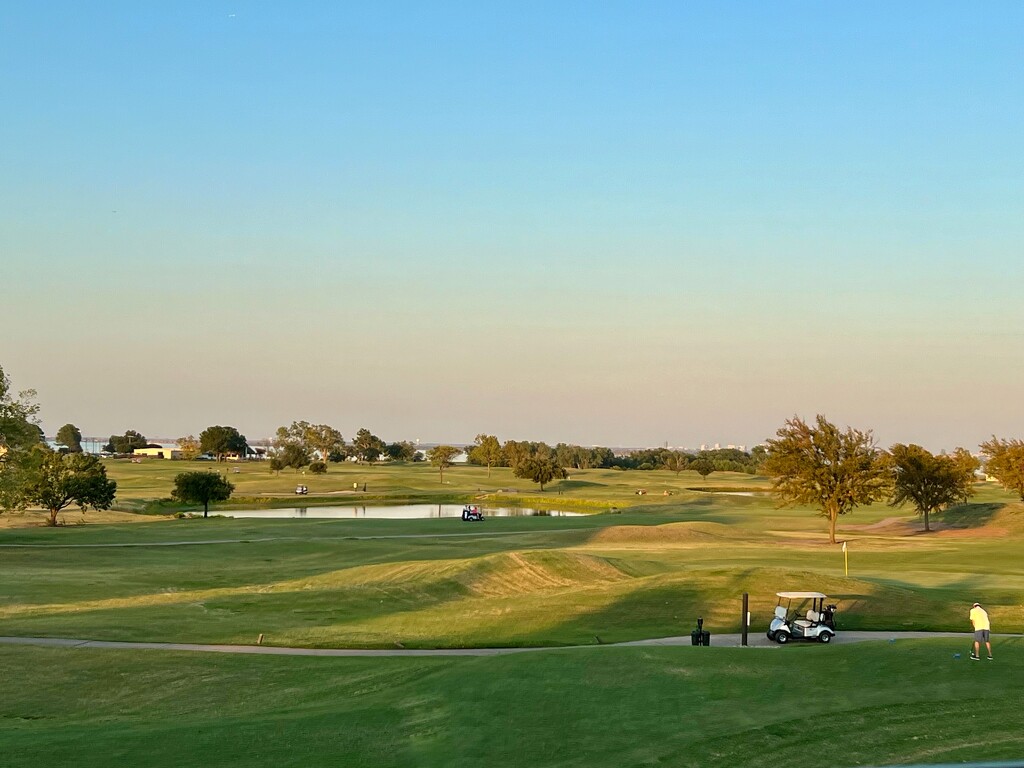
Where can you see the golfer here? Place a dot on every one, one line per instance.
(979, 620)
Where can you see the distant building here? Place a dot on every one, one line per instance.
(158, 453)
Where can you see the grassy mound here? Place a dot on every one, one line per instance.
(669, 533)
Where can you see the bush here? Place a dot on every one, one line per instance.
(318, 468)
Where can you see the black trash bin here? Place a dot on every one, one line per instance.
(700, 636)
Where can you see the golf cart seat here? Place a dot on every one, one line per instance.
(813, 617)
(780, 612)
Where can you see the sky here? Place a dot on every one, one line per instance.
(622, 224)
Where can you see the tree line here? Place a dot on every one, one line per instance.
(488, 451)
(835, 470)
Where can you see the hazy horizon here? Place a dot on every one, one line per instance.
(613, 225)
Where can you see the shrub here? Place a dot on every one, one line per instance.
(318, 468)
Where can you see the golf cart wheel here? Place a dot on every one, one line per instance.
(782, 637)
(771, 635)
(825, 637)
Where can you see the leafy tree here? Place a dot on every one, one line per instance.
(320, 440)
(598, 457)
(126, 443)
(19, 432)
(703, 466)
(367, 446)
(276, 464)
(294, 455)
(516, 452)
(19, 424)
(486, 452)
(441, 457)
(676, 461)
(832, 469)
(323, 440)
(189, 447)
(539, 469)
(318, 467)
(55, 481)
(220, 440)
(400, 451)
(201, 488)
(70, 437)
(931, 483)
(1004, 459)
(757, 456)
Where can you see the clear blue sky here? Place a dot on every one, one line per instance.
(615, 223)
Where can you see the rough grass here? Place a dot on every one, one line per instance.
(865, 704)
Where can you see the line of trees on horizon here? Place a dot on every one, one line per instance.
(816, 463)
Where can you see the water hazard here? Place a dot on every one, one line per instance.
(394, 512)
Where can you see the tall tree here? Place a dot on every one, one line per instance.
(189, 447)
(201, 488)
(540, 470)
(441, 457)
(486, 452)
(126, 443)
(931, 483)
(703, 466)
(19, 433)
(70, 437)
(821, 465)
(294, 455)
(1004, 460)
(515, 452)
(400, 451)
(220, 440)
(19, 423)
(367, 446)
(55, 481)
(320, 440)
(323, 440)
(676, 461)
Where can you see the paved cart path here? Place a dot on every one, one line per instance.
(717, 641)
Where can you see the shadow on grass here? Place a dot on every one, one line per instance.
(971, 515)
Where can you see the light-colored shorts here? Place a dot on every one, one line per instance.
(981, 635)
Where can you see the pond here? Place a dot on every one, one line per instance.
(393, 512)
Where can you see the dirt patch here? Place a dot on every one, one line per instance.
(37, 518)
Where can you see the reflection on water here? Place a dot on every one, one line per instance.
(398, 512)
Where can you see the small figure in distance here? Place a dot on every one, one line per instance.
(980, 622)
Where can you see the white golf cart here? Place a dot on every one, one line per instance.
(817, 623)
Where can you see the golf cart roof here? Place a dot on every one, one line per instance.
(800, 595)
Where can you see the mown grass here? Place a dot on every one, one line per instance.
(146, 487)
(648, 571)
(864, 704)
(513, 581)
